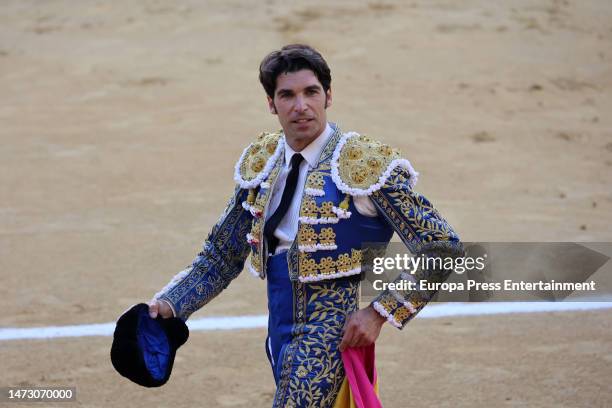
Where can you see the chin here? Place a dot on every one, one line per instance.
(306, 136)
(311, 133)
(301, 137)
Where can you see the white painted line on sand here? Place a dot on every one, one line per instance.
(432, 311)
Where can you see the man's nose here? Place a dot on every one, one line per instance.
(300, 104)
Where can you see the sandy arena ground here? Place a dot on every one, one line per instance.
(120, 125)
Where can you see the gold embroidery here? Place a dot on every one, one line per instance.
(401, 314)
(323, 363)
(417, 304)
(257, 155)
(374, 164)
(262, 197)
(255, 262)
(257, 163)
(307, 235)
(359, 174)
(315, 180)
(312, 369)
(343, 263)
(309, 267)
(362, 161)
(327, 210)
(388, 302)
(327, 236)
(327, 265)
(354, 153)
(385, 150)
(265, 201)
(356, 258)
(301, 372)
(412, 215)
(256, 229)
(271, 146)
(309, 207)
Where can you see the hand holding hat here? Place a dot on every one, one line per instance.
(144, 348)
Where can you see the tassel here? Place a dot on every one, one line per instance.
(345, 203)
(251, 196)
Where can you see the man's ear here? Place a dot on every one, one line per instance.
(328, 98)
(271, 106)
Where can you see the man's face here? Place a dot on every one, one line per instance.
(300, 103)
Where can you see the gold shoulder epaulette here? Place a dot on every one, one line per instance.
(257, 160)
(361, 165)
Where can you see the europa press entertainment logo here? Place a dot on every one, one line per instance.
(488, 271)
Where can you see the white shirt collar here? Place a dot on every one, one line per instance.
(312, 152)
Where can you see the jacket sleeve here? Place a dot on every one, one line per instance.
(426, 234)
(220, 261)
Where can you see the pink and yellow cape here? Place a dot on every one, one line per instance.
(360, 387)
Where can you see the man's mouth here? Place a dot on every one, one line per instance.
(301, 121)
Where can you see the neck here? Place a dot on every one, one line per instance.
(300, 144)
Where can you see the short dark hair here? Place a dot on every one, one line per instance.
(292, 58)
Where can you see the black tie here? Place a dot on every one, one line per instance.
(280, 212)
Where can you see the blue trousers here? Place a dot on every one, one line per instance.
(305, 327)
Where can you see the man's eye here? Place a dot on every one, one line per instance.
(312, 92)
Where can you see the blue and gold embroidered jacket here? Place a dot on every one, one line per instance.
(330, 230)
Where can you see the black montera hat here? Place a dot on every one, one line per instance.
(143, 348)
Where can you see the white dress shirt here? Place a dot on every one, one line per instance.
(287, 229)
